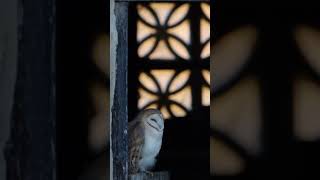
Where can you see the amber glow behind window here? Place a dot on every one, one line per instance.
(166, 34)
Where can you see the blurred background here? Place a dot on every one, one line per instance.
(265, 108)
(82, 89)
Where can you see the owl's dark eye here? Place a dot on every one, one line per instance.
(153, 120)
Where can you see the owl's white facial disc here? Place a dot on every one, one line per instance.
(155, 121)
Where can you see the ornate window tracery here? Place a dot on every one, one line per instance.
(172, 57)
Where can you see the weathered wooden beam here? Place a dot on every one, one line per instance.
(119, 92)
(154, 176)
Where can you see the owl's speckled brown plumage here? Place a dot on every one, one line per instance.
(145, 138)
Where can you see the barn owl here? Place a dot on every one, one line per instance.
(145, 139)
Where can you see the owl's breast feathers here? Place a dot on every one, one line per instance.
(144, 142)
(151, 148)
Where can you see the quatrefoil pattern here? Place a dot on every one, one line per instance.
(163, 31)
(167, 89)
(173, 47)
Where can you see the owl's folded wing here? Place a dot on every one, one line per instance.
(136, 143)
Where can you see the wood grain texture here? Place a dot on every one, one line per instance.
(119, 109)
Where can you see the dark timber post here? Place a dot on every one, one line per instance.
(119, 109)
(30, 150)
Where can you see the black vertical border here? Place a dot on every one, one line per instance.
(30, 150)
